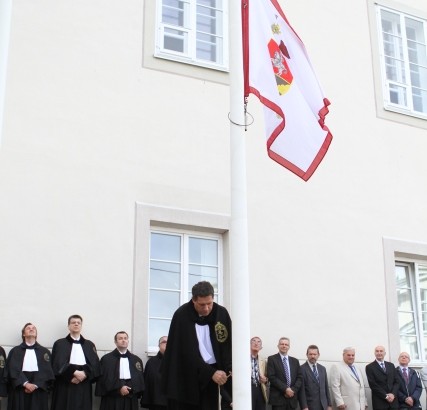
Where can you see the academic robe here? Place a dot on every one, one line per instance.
(67, 395)
(153, 397)
(186, 377)
(3, 388)
(43, 378)
(109, 383)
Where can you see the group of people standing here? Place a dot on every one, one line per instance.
(307, 385)
(194, 371)
(31, 372)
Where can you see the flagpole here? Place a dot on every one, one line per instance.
(240, 307)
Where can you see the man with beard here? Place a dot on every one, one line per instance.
(153, 398)
(30, 374)
(314, 394)
(122, 379)
(75, 363)
(198, 355)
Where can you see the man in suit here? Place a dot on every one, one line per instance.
(285, 378)
(383, 381)
(410, 387)
(258, 378)
(314, 395)
(346, 381)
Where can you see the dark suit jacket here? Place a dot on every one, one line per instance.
(314, 394)
(276, 376)
(382, 383)
(414, 388)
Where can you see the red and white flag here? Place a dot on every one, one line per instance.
(278, 71)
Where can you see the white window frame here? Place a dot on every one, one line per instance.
(400, 251)
(407, 109)
(150, 218)
(185, 289)
(412, 266)
(189, 28)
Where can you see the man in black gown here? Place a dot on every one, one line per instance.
(75, 363)
(122, 379)
(3, 388)
(30, 374)
(153, 397)
(198, 355)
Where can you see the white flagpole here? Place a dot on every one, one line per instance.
(240, 308)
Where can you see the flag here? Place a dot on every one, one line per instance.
(278, 71)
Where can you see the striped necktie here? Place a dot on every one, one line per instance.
(286, 369)
(316, 374)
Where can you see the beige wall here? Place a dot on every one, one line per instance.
(92, 128)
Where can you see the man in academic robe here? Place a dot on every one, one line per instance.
(121, 382)
(30, 374)
(198, 354)
(3, 386)
(314, 395)
(153, 398)
(284, 374)
(75, 363)
(383, 381)
(410, 386)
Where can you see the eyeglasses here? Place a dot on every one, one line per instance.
(163, 341)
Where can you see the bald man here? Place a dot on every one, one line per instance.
(383, 381)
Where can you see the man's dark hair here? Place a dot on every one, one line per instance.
(119, 333)
(313, 347)
(202, 289)
(75, 317)
(23, 329)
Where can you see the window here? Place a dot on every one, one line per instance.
(411, 286)
(177, 262)
(193, 31)
(403, 61)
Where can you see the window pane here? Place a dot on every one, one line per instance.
(165, 247)
(199, 273)
(156, 329)
(404, 300)
(409, 344)
(402, 276)
(163, 303)
(165, 275)
(406, 323)
(398, 95)
(173, 12)
(203, 251)
(175, 40)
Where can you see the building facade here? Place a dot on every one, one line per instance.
(115, 176)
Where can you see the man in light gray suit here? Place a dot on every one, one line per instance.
(347, 385)
(314, 395)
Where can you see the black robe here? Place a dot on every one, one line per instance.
(3, 388)
(109, 384)
(153, 395)
(67, 395)
(43, 378)
(185, 376)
